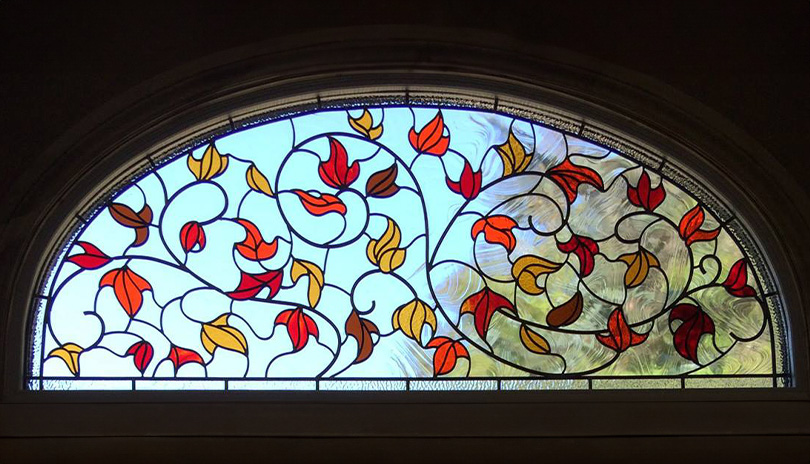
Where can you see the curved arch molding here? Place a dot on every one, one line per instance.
(409, 241)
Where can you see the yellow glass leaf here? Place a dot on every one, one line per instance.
(385, 252)
(513, 155)
(257, 181)
(210, 165)
(411, 318)
(363, 125)
(533, 341)
(528, 268)
(219, 334)
(69, 353)
(301, 268)
(638, 266)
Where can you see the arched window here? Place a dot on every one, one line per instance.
(409, 241)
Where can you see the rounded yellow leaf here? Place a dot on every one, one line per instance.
(301, 268)
(363, 125)
(219, 334)
(638, 266)
(411, 318)
(69, 353)
(385, 252)
(533, 341)
(257, 181)
(513, 155)
(528, 268)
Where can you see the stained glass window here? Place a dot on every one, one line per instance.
(408, 247)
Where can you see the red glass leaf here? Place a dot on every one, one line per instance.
(361, 329)
(469, 185)
(570, 176)
(483, 305)
(431, 138)
(253, 247)
(687, 336)
(644, 196)
(192, 235)
(335, 171)
(299, 327)
(447, 353)
(620, 336)
(128, 287)
(584, 248)
(689, 227)
(318, 206)
(180, 356)
(142, 354)
(92, 258)
(737, 281)
(251, 284)
(497, 230)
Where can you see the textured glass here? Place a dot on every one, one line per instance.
(356, 248)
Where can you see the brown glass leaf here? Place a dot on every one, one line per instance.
(567, 313)
(361, 330)
(126, 216)
(382, 184)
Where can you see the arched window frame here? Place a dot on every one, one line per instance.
(209, 97)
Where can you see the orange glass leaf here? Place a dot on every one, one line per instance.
(180, 356)
(570, 176)
(620, 336)
(689, 227)
(299, 327)
(431, 138)
(251, 284)
(447, 353)
(483, 305)
(497, 230)
(320, 205)
(253, 247)
(128, 287)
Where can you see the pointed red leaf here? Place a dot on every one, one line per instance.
(335, 171)
(431, 138)
(585, 248)
(180, 356)
(644, 196)
(483, 305)
(689, 227)
(142, 354)
(251, 284)
(469, 185)
(299, 327)
(92, 258)
(192, 235)
(687, 336)
(737, 281)
(570, 176)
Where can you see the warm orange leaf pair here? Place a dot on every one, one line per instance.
(431, 138)
(689, 227)
(620, 336)
(447, 353)
(253, 247)
(128, 287)
(569, 176)
(497, 230)
(320, 205)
